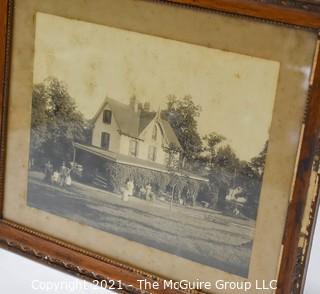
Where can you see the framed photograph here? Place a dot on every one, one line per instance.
(162, 146)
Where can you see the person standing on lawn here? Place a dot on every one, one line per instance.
(63, 174)
(48, 171)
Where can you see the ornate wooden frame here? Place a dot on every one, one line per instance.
(300, 13)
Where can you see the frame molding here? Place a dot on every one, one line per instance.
(298, 13)
(91, 266)
(73, 259)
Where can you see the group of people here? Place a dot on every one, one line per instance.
(145, 192)
(61, 177)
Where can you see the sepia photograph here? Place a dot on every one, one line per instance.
(157, 141)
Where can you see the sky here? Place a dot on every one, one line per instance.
(236, 92)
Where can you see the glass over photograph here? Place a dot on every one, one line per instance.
(157, 141)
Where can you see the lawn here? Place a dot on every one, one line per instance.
(199, 234)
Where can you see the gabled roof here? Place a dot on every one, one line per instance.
(169, 133)
(127, 119)
(147, 117)
(132, 123)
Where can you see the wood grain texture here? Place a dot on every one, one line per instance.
(74, 259)
(92, 266)
(4, 9)
(262, 9)
(311, 232)
(300, 192)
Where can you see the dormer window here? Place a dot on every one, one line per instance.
(107, 116)
(154, 132)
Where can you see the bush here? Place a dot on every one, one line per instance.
(117, 176)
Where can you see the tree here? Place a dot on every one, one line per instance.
(220, 180)
(182, 115)
(38, 121)
(173, 166)
(212, 142)
(209, 193)
(258, 163)
(226, 158)
(250, 179)
(56, 122)
(223, 167)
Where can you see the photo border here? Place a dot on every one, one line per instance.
(92, 266)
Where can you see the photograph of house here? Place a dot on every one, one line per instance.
(130, 135)
(136, 136)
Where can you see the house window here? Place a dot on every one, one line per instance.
(107, 115)
(154, 132)
(152, 154)
(133, 148)
(105, 140)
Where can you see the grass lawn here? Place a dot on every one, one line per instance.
(198, 234)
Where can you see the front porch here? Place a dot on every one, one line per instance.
(112, 171)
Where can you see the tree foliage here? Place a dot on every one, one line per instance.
(212, 141)
(182, 114)
(250, 176)
(212, 156)
(56, 122)
(226, 158)
(258, 163)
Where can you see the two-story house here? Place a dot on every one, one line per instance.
(133, 130)
(130, 135)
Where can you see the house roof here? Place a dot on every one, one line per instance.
(127, 119)
(132, 123)
(132, 161)
(171, 136)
